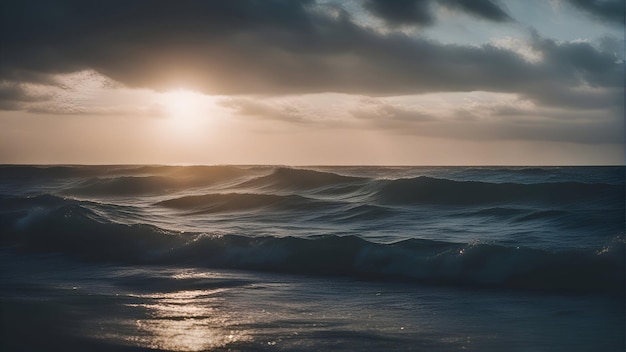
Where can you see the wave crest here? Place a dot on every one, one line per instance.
(78, 232)
(301, 179)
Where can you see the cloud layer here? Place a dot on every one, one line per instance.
(277, 47)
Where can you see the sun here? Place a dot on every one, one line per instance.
(188, 119)
(186, 110)
(183, 104)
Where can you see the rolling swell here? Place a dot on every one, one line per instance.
(124, 186)
(441, 191)
(82, 171)
(169, 179)
(76, 231)
(227, 202)
(81, 233)
(300, 179)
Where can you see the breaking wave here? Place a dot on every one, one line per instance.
(68, 227)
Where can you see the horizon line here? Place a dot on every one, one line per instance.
(311, 165)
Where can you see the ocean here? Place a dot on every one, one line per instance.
(270, 258)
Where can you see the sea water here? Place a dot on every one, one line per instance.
(195, 258)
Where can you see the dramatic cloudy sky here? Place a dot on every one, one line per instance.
(435, 82)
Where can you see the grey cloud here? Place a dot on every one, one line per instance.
(67, 108)
(505, 123)
(16, 92)
(420, 12)
(12, 92)
(606, 10)
(375, 110)
(10, 105)
(55, 98)
(132, 39)
(584, 132)
(577, 76)
(613, 46)
(12, 74)
(485, 9)
(494, 121)
(55, 109)
(252, 107)
(402, 12)
(579, 61)
(13, 96)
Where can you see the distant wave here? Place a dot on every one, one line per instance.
(213, 203)
(124, 185)
(607, 174)
(518, 214)
(163, 180)
(169, 179)
(70, 228)
(545, 214)
(519, 170)
(289, 179)
(440, 191)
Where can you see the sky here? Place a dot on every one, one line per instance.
(312, 82)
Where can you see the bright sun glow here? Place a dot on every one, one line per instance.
(183, 104)
(187, 111)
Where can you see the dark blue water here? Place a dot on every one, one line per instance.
(275, 258)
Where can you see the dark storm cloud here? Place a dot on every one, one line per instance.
(13, 96)
(281, 47)
(420, 12)
(606, 10)
(132, 40)
(579, 60)
(580, 76)
(13, 91)
(485, 9)
(402, 12)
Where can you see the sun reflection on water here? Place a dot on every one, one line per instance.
(191, 318)
(184, 321)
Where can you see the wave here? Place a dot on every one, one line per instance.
(18, 172)
(163, 180)
(69, 171)
(123, 186)
(517, 214)
(324, 210)
(169, 179)
(227, 202)
(75, 230)
(498, 212)
(441, 191)
(301, 179)
(542, 170)
(359, 213)
(41, 200)
(544, 214)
